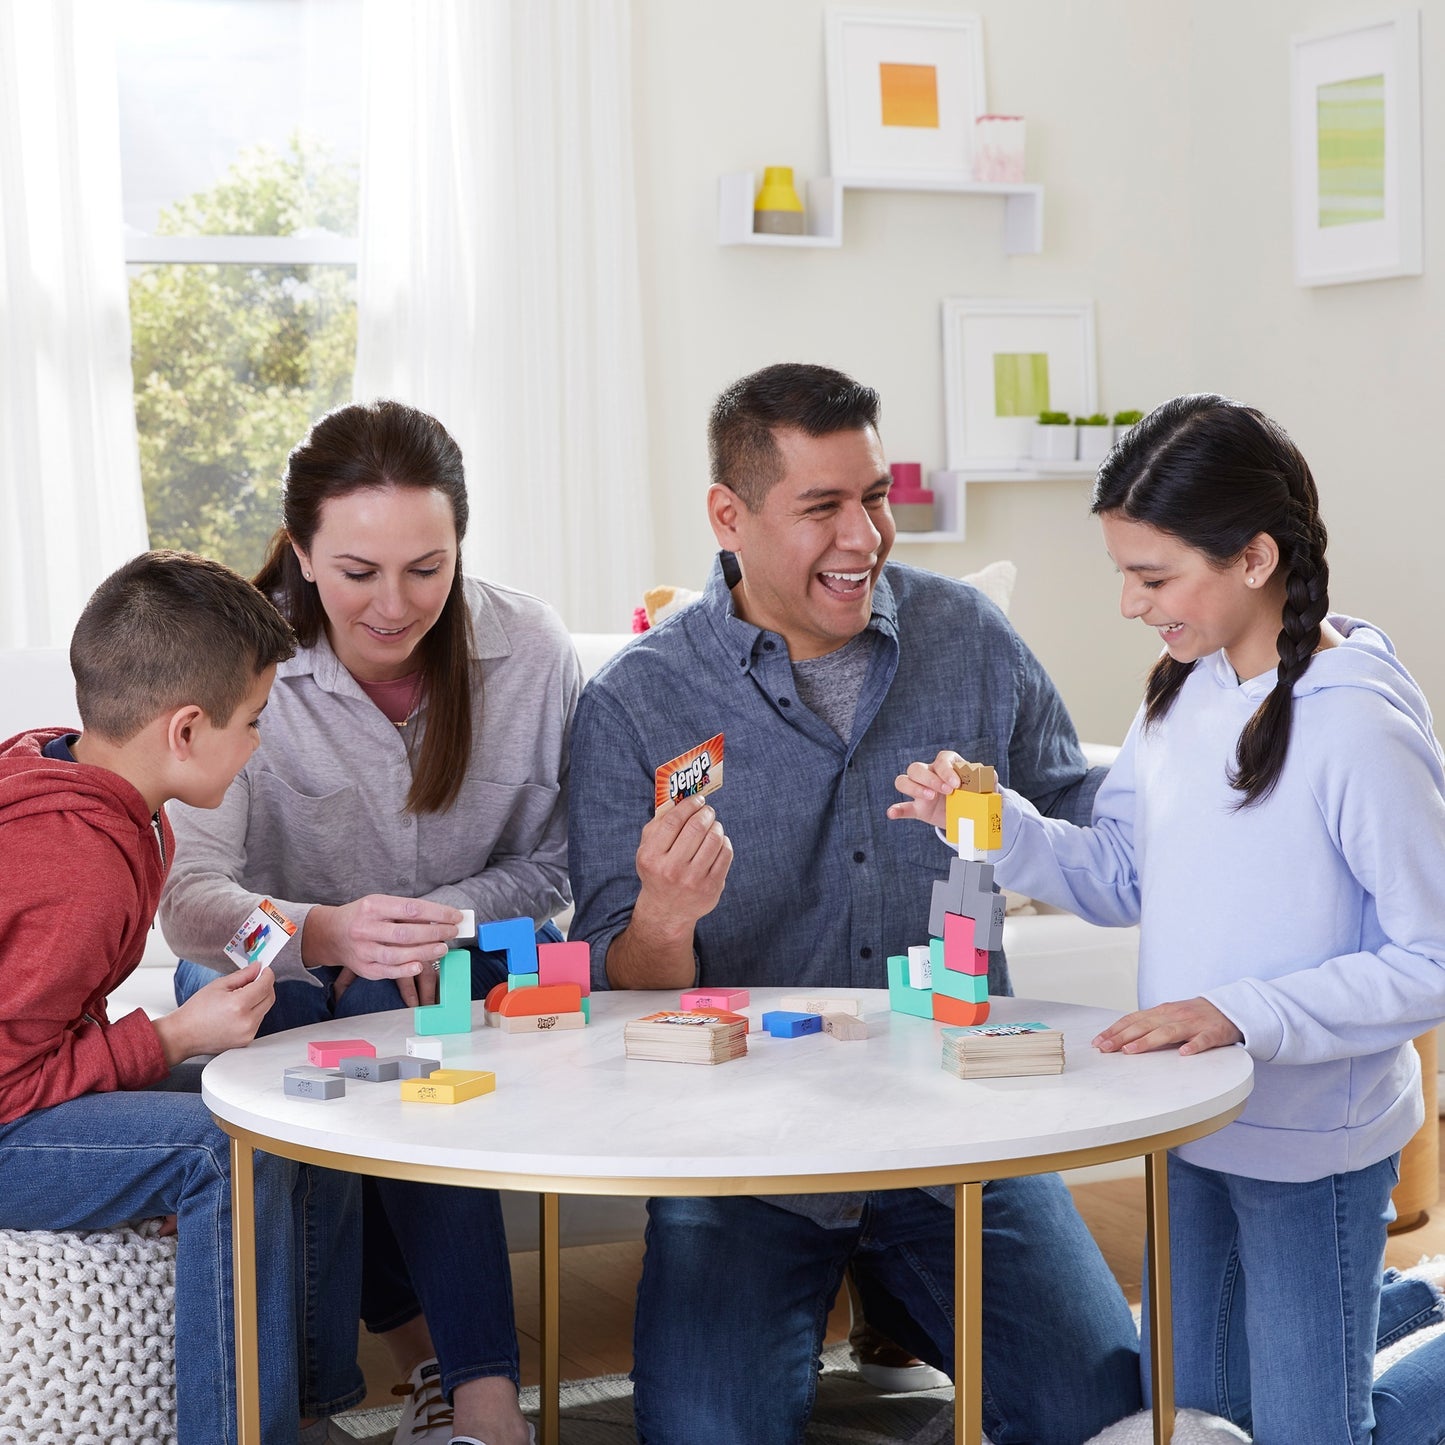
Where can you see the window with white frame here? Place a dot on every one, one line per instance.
(240, 151)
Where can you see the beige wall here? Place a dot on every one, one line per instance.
(1161, 134)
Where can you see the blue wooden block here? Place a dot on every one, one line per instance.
(784, 1024)
(452, 1014)
(516, 937)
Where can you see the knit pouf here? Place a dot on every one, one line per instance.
(87, 1352)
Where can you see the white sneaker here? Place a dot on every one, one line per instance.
(426, 1418)
(472, 1439)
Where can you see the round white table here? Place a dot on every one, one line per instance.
(572, 1115)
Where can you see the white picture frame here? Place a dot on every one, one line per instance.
(1356, 152)
(989, 416)
(911, 148)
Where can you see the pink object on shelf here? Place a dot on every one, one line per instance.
(908, 485)
(724, 998)
(565, 963)
(327, 1053)
(639, 620)
(998, 148)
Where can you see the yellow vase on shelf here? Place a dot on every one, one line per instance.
(777, 210)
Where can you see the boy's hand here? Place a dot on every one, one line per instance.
(380, 936)
(682, 863)
(927, 785)
(1194, 1024)
(223, 1015)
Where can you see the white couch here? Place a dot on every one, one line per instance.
(1051, 955)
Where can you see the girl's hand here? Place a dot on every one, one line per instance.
(1194, 1024)
(381, 937)
(927, 785)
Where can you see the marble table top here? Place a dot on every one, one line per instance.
(571, 1113)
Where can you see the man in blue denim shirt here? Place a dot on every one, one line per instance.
(828, 673)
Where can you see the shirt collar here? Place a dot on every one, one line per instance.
(741, 638)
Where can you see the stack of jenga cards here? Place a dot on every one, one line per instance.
(1000, 1051)
(679, 1037)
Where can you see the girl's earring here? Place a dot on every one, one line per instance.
(1249, 581)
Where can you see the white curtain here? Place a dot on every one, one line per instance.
(499, 280)
(71, 508)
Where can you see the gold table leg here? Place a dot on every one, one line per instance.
(243, 1286)
(549, 1263)
(1161, 1303)
(967, 1314)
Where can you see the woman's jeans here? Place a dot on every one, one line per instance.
(108, 1159)
(435, 1249)
(1278, 1310)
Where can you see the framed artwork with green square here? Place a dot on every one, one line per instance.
(1355, 131)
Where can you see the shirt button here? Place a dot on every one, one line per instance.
(858, 857)
(406, 820)
(784, 702)
(769, 646)
(865, 953)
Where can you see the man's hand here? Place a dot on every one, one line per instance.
(223, 1015)
(927, 785)
(682, 862)
(383, 937)
(1194, 1024)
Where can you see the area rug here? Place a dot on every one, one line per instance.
(848, 1412)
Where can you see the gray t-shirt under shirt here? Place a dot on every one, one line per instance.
(830, 686)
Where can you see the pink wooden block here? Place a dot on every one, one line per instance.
(565, 963)
(959, 954)
(731, 999)
(327, 1053)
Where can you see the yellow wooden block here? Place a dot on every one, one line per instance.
(448, 1086)
(976, 777)
(984, 811)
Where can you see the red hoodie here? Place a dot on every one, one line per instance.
(81, 872)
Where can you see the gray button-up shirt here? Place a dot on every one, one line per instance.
(318, 814)
(823, 887)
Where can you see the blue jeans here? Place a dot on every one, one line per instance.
(735, 1293)
(436, 1248)
(1278, 1309)
(107, 1159)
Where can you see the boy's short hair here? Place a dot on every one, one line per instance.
(742, 448)
(167, 629)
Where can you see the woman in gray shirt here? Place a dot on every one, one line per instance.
(413, 763)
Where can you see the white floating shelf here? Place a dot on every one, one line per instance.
(1023, 222)
(735, 195)
(950, 495)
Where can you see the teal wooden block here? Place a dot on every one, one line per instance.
(452, 1014)
(903, 999)
(587, 1008)
(523, 980)
(966, 987)
(936, 956)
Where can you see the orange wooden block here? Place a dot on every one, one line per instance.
(547, 998)
(954, 1011)
(495, 995)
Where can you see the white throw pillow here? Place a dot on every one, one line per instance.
(996, 582)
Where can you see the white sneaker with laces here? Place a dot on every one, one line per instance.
(426, 1417)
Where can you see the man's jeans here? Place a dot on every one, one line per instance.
(1278, 1309)
(735, 1294)
(107, 1159)
(433, 1247)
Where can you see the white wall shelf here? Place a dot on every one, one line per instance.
(950, 495)
(1023, 221)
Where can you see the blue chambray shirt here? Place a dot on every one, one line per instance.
(823, 886)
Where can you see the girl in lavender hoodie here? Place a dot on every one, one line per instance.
(1275, 823)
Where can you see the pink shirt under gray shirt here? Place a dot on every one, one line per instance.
(318, 814)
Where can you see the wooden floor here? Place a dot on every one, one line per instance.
(599, 1283)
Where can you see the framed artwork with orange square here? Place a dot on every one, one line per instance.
(904, 91)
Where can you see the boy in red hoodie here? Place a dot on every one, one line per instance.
(173, 658)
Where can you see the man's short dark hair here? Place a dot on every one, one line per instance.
(743, 452)
(167, 629)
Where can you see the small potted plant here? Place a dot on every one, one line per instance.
(1123, 421)
(1055, 437)
(1096, 436)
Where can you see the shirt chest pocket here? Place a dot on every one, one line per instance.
(318, 845)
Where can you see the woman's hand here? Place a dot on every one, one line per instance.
(927, 785)
(380, 936)
(1194, 1024)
